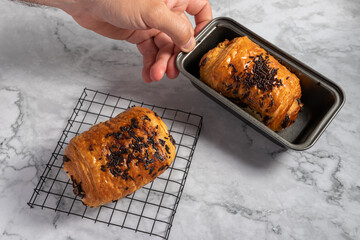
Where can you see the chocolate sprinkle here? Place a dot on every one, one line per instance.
(147, 118)
(116, 171)
(124, 129)
(151, 170)
(162, 168)
(167, 149)
(77, 188)
(91, 148)
(286, 121)
(172, 140)
(204, 61)
(266, 120)
(262, 75)
(162, 142)
(245, 95)
(272, 101)
(300, 104)
(158, 156)
(134, 123)
(229, 87)
(261, 103)
(66, 159)
(234, 68)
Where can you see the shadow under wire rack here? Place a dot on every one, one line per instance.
(149, 210)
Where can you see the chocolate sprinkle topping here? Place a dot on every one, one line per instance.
(128, 146)
(262, 75)
(91, 148)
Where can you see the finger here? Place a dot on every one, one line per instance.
(166, 47)
(172, 71)
(149, 51)
(202, 11)
(173, 24)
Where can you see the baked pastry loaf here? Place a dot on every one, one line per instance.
(244, 72)
(115, 158)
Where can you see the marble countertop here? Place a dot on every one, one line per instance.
(240, 185)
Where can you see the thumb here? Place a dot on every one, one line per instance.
(176, 25)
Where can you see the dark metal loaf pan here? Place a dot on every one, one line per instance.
(321, 97)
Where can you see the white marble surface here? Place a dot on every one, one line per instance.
(240, 186)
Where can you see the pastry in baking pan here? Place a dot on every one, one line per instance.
(115, 158)
(245, 73)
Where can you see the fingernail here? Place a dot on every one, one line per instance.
(189, 45)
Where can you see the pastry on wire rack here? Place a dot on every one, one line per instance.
(115, 158)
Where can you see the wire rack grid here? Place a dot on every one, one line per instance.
(149, 210)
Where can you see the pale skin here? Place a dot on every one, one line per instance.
(159, 28)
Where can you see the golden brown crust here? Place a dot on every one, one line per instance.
(115, 158)
(236, 70)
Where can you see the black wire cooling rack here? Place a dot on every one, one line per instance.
(149, 210)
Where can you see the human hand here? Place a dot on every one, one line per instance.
(159, 28)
